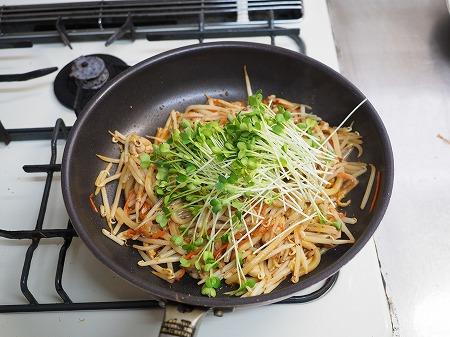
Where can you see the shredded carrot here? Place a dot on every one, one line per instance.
(375, 195)
(158, 235)
(263, 208)
(190, 255)
(260, 230)
(144, 210)
(342, 214)
(346, 176)
(144, 230)
(180, 273)
(220, 250)
(125, 207)
(91, 200)
(129, 233)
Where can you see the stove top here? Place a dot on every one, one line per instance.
(358, 291)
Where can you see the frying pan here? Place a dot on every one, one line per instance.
(140, 99)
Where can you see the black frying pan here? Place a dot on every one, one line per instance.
(140, 100)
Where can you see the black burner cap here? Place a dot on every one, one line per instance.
(86, 74)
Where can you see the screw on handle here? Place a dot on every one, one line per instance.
(181, 320)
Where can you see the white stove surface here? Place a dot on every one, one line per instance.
(356, 306)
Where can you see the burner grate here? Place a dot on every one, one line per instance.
(22, 26)
(60, 132)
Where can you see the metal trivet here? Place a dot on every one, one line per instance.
(60, 131)
(25, 25)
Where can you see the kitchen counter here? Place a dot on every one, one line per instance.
(398, 54)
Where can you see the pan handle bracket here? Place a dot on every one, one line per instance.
(181, 320)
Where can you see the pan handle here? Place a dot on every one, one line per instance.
(181, 320)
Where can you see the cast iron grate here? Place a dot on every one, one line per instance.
(60, 132)
(24, 25)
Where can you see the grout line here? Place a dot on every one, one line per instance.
(395, 326)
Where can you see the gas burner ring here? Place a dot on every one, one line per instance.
(79, 80)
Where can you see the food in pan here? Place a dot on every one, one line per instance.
(243, 194)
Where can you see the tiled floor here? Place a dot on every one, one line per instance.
(398, 53)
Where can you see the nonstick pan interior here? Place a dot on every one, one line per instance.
(140, 100)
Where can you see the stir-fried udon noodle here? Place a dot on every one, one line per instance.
(246, 194)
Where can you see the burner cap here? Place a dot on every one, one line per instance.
(86, 74)
(90, 71)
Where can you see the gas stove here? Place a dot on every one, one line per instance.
(353, 304)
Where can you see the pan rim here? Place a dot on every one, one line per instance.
(225, 302)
